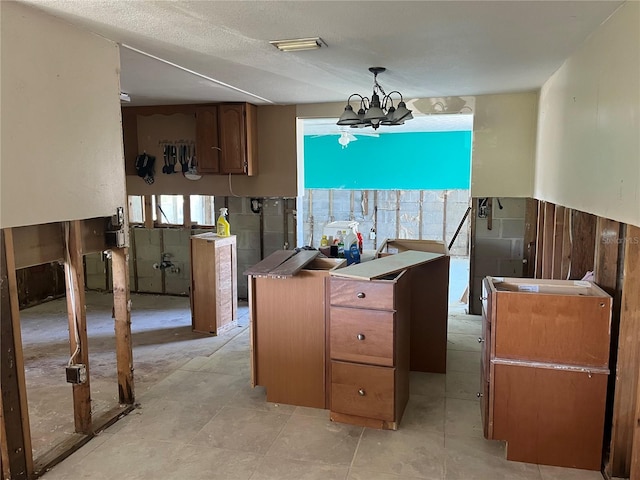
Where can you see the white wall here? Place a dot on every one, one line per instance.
(61, 154)
(588, 154)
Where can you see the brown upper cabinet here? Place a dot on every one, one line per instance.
(225, 136)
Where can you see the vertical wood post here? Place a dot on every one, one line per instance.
(76, 312)
(558, 240)
(122, 312)
(539, 240)
(530, 228)
(547, 240)
(566, 245)
(186, 211)
(583, 243)
(148, 211)
(625, 405)
(16, 442)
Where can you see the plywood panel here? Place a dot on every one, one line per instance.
(386, 265)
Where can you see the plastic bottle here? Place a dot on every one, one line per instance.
(350, 239)
(222, 226)
(340, 244)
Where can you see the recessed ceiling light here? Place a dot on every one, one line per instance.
(297, 44)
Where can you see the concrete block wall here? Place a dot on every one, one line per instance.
(499, 251)
(411, 214)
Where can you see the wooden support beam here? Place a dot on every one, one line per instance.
(148, 211)
(558, 238)
(122, 311)
(530, 228)
(625, 407)
(583, 243)
(547, 240)
(76, 311)
(539, 240)
(186, 211)
(635, 455)
(38, 244)
(15, 414)
(566, 245)
(605, 266)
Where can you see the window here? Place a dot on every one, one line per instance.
(203, 210)
(136, 209)
(170, 209)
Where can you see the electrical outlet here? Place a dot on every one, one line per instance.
(77, 373)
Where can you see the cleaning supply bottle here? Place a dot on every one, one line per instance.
(223, 227)
(324, 241)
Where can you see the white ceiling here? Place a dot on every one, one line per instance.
(430, 48)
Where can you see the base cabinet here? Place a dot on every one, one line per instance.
(214, 294)
(369, 349)
(544, 369)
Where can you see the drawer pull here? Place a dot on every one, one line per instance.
(479, 395)
(360, 295)
(360, 336)
(480, 339)
(361, 392)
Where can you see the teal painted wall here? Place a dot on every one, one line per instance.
(399, 161)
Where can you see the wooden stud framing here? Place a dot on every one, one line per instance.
(558, 237)
(530, 228)
(78, 320)
(635, 455)
(565, 264)
(547, 240)
(16, 452)
(625, 408)
(186, 211)
(148, 211)
(122, 311)
(583, 243)
(539, 240)
(605, 267)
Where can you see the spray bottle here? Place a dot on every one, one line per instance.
(222, 226)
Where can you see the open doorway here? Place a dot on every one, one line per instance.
(405, 182)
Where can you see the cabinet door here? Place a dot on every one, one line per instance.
(233, 139)
(207, 141)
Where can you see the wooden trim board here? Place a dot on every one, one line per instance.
(386, 265)
(272, 261)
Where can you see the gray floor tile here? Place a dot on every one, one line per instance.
(316, 439)
(461, 361)
(558, 473)
(241, 429)
(463, 418)
(463, 342)
(406, 453)
(275, 468)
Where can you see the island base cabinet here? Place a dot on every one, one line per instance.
(550, 416)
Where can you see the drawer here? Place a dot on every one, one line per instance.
(363, 390)
(362, 294)
(364, 336)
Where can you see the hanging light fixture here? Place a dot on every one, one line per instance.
(375, 111)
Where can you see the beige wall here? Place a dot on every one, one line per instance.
(276, 158)
(61, 152)
(588, 136)
(504, 133)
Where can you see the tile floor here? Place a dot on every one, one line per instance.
(204, 421)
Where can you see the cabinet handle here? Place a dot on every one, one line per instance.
(360, 336)
(480, 339)
(361, 392)
(479, 395)
(360, 295)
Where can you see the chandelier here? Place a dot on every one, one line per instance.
(375, 111)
